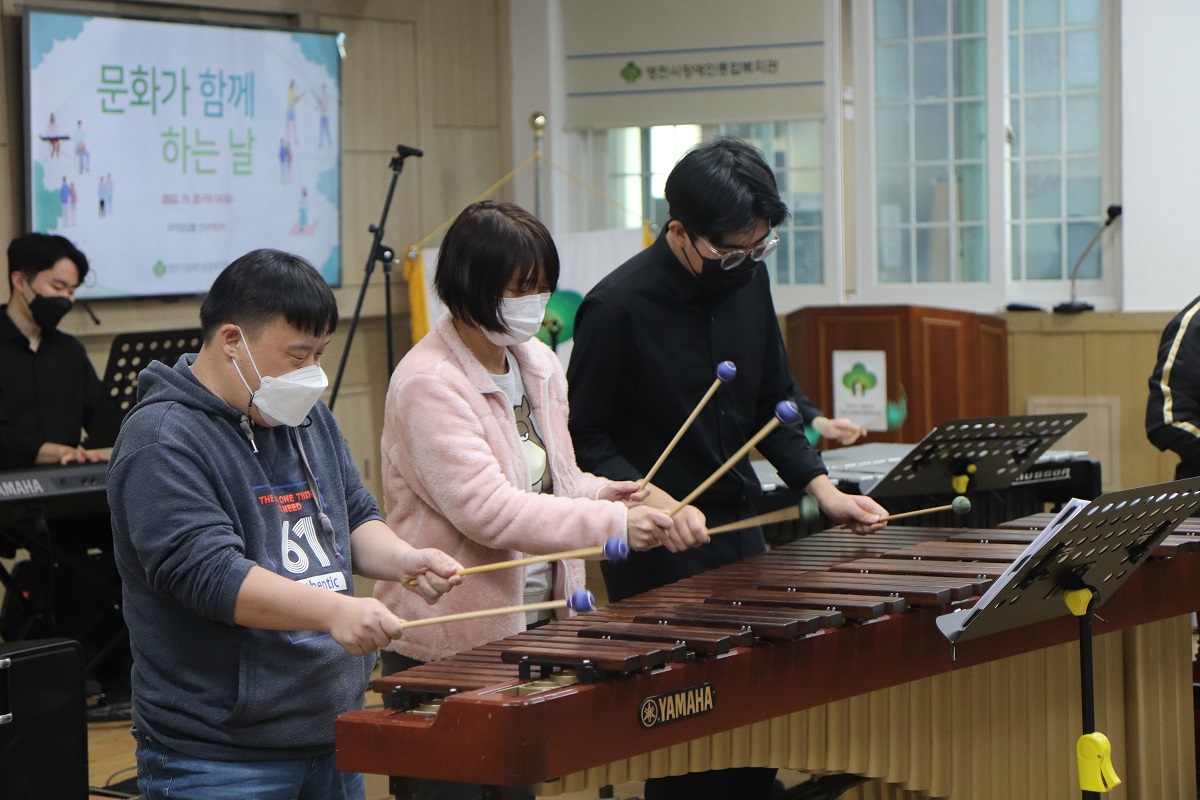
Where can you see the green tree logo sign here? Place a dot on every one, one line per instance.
(631, 72)
(859, 380)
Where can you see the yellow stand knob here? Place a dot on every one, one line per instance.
(1077, 600)
(961, 482)
(1093, 754)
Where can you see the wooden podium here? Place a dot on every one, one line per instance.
(949, 363)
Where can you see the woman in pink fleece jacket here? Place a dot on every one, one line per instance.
(477, 460)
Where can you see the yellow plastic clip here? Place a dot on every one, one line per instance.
(1093, 754)
(1077, 600)
(961, 482)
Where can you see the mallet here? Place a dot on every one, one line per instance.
(785, 411)
(726, 371)
(961, 506)
(615, 549)
(808, 510)
(580, 600)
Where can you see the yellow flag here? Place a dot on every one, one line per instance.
(418, 312)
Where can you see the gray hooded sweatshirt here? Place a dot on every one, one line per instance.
(194, 507)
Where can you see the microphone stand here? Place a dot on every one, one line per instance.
(379, 252)
(1074, 306)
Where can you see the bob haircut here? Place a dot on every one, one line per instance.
(723, 186)
(489, 247)
(263, 285)
(38, 252)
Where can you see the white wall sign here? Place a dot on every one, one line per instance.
(628, 61)
(860, 387)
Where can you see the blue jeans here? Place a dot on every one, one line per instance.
(166, 774)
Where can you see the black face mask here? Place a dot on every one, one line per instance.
(721, 282)
(48, 311)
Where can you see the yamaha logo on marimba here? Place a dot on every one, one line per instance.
(681, 704)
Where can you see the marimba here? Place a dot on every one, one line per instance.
(820, 656)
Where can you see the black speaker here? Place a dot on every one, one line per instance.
(43, 729)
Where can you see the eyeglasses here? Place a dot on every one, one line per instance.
(734, 258)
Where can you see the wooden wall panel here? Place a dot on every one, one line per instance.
(944, 389)
(466, 51)
(1094, 355)
(381, 63)
(992, 394)
(478, 162)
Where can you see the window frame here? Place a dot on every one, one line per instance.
(1000, 288)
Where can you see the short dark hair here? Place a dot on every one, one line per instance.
(723, 186)
(38, 252)
(263, 285)
(487, 246)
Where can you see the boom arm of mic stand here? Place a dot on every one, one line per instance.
(378, 251)
(1074, 307)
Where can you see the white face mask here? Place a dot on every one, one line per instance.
(287, 399)
(522, 316)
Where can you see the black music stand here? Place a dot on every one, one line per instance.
(973, 454)
(1074, 565)
(132, 352)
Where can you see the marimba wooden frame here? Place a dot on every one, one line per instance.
(499, 739)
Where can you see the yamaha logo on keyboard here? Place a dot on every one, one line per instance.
(677, 705)
(29, 487)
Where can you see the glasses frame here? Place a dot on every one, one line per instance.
(735, 258)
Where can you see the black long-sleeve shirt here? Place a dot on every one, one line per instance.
(48, 395)
(647, 344)
(1173, 407)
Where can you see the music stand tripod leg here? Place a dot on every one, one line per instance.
(1093, 752)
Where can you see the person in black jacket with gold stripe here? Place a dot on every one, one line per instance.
(1173, 408)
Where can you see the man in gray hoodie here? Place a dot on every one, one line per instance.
(238, 519)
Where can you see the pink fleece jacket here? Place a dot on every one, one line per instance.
(454, 478)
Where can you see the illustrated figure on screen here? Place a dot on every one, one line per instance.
(285, 161)
(290, 131)
(303, 208)
(64, 201)
(83, 159)
(54, 136)
(102, 194)
(322, 98)
(72, 198)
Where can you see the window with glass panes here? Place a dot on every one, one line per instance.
(639, 160)
(1055, 110)
(930, 106)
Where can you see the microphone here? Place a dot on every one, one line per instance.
(1074, 306)
(405, 151)
(89, 311)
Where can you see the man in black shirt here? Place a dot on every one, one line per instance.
(648, 338)
(49, 396)
(49, 392)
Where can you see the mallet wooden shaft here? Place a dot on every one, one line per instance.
(687, 423)
(484, 612)
(728, 465)
(917, 512)
(781, 515)
(583, 552)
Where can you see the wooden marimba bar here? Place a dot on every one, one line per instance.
(822, 656)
